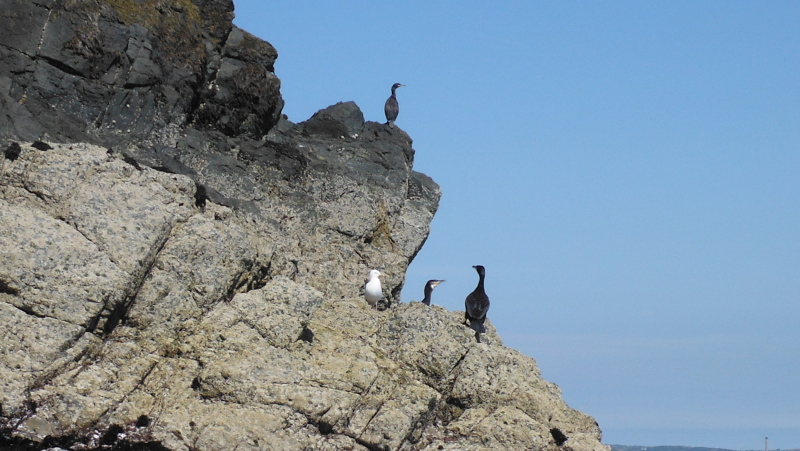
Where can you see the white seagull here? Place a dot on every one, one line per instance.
(373, 291)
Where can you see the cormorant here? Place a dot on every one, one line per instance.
(392, 109)
(429, 289)
(477, 305)
(372, 290)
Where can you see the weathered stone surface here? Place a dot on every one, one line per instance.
(127, 71)
(244, 72)
(50, 270)
(32, 347)
(216, 325)
(182, 269)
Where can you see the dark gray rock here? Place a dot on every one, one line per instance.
(343, 120)
(244, 96)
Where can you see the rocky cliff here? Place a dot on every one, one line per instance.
(181, 269)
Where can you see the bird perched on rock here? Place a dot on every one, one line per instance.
(392, 108)
(372, 290)
(429, 289)
(477, 305)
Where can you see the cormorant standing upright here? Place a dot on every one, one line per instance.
(372, 290)
(392, 108)
(429, 289)
(477, 305)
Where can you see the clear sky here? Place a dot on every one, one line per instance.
(628, 173)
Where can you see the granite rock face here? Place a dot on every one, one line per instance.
(121, 71)
(183, 269)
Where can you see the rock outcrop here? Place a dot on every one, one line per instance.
(132, 71)
(181, 268)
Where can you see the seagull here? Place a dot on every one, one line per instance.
(429, 289)
(392, 108)
(372, 290)
(477, 305)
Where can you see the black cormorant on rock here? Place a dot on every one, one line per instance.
(392, 109)
(477, 305)
(429, 289)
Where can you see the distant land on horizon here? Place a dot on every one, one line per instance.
(677, 448)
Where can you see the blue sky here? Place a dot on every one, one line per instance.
(627, 172)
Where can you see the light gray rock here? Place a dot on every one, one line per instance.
(129, 301)
(33, 348)
(51, 270)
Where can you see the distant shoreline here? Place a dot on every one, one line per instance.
(679, 448)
